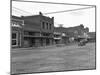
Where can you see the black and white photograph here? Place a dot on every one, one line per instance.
(52, 37)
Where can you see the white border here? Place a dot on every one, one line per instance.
(5, 38)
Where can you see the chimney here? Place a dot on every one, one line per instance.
(40, 13)
(22, 16)
(81, 25)
(52, 18)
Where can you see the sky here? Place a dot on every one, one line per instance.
(67, 19)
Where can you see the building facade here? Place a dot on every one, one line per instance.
(38, 30)
(70, 34)
(57, 38)
(16, 31)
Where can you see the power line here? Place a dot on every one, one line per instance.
(21, 10)
(67, 10)
(57, 11)
(17, 11)
(53, 3)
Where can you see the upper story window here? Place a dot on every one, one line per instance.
(46, 25)
(45, 34)
(50, 26)
(29, 33)
(43, 25)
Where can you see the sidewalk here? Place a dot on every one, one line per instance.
(44, 47)
(29, 48)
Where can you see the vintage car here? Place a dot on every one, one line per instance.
(83, 42)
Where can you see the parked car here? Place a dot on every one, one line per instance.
(82, 42)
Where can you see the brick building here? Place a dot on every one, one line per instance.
(71, 33)
(38, 30)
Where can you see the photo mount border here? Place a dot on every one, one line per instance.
(60, 70)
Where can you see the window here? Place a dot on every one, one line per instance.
(13, 35)
(14, 39)
(47, 25)
(31, 33)
(43, 25)
(14, 42)
(26, 33)
(50, 26)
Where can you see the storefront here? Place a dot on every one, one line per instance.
(16, 32)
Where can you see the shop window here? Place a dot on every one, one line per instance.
(14, 39)
(14, 42)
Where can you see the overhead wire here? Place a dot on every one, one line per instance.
(51, 2)
(17, 11)
(21, 10)
(51, 12)
(67, 10)
(55, 11)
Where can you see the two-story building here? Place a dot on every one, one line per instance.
(69, 34)
(38, 30)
